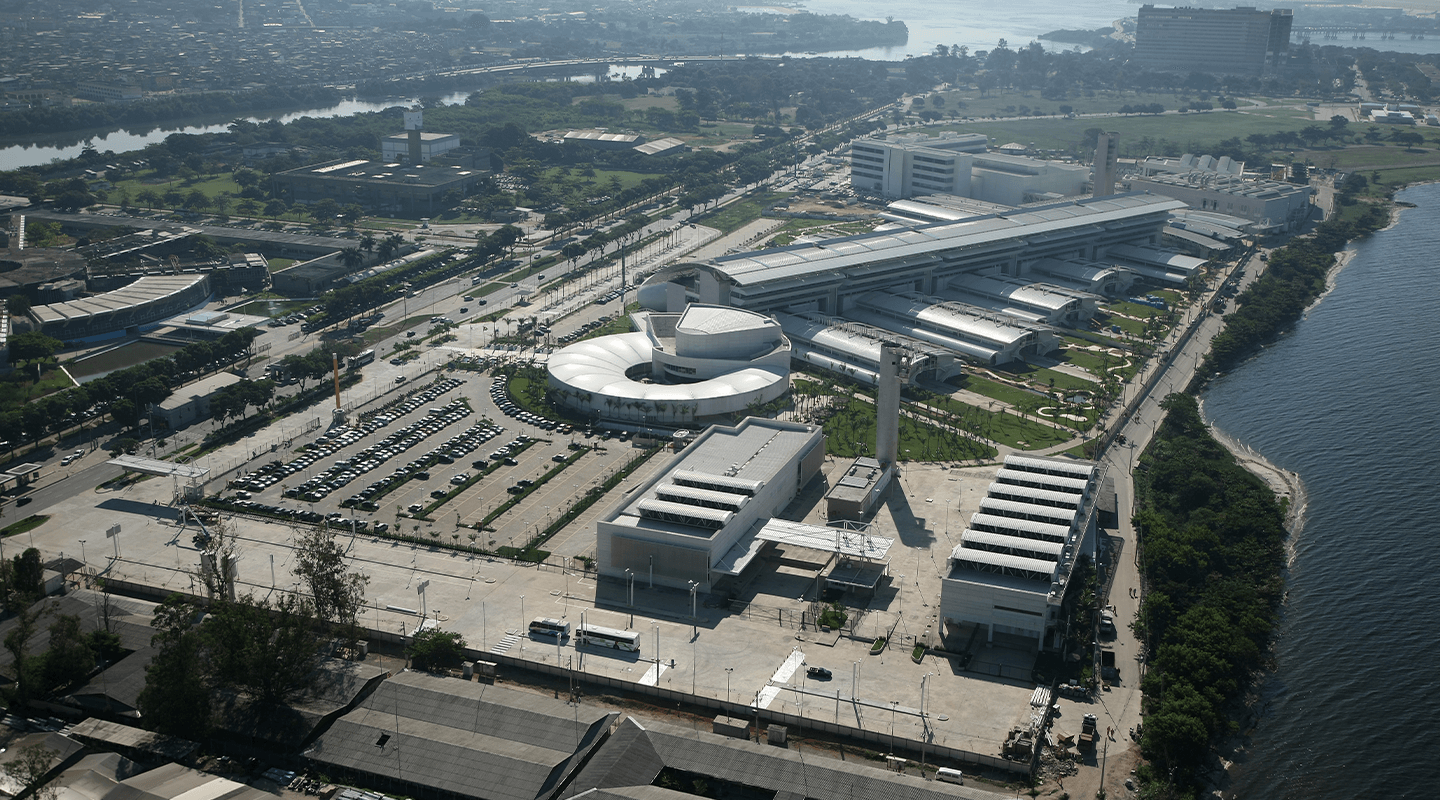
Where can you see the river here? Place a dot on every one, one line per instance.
(1347, 400)
(69, 145)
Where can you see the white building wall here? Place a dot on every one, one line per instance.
(999, 609)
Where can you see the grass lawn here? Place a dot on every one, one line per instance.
(571, 179)
(1097, 102)
(277, 264)
(30, 523)
(1134, 327)
(741, 212)
(1004, 427)
(1005, 393)
(1133, 309)
(17, 389)
(1041, 378)
(376, 334)
(643, 102)
(1192, 133)
(852, 431)
(1090, 361)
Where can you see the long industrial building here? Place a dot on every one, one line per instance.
(989, 288)
(124, 311)
(1012, 567)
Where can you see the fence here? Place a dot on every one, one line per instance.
(880, 740)
(795, 723)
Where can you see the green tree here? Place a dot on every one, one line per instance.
(70, 657)
(30, 769)
(433, 650)
(17, 643)
(33, 347)
(268, 652)
(337, 593)
(176, 699)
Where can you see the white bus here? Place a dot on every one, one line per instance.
(358, 361)
(608, 637)
(950, 775)
(545, 626)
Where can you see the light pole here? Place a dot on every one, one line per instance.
(656, 626)
(694, 619)
(522, 623)
(728, 670)
(82, 555)
(652, 572)
(631, 576)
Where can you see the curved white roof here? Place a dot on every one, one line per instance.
(599, 366)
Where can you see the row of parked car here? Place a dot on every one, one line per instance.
(343, 472)
(581, 332)
(335, 519)
(501, 395)
(329, 443)
(276, 471)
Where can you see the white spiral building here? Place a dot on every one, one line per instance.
(704, 362)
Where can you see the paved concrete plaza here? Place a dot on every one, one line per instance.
(759, 652)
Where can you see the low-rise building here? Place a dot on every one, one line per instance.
(1012, 568)
(190, 404)
(697, 520)
(383, 186)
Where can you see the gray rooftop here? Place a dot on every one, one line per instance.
(634, 756)
(145, 290)
(837, 255)
(462, 738)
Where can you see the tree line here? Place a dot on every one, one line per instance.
(1211, 553)
(124, 394)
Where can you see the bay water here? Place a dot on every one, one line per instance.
(1348, 401)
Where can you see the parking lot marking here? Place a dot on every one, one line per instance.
(652, 675)
(781, 677)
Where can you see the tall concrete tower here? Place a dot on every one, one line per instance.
(1107, 156)
(414, 121)
(887, 406)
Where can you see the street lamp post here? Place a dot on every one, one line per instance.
(694, 618)
(522, 623)
(631, 576)
(728, 670)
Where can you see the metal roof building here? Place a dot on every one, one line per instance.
(853, 348)
(679, 535)
(142, 303)
(633, 757)
(844, 277)
(1012, 567)
(442, 737)
(1037, 302)
(982, 335)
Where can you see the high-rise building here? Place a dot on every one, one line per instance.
(1107, 157)
(1226, 41)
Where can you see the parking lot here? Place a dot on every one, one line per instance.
(445, 456)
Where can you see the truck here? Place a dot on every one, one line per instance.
(1108, 670)
(1089, 730)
